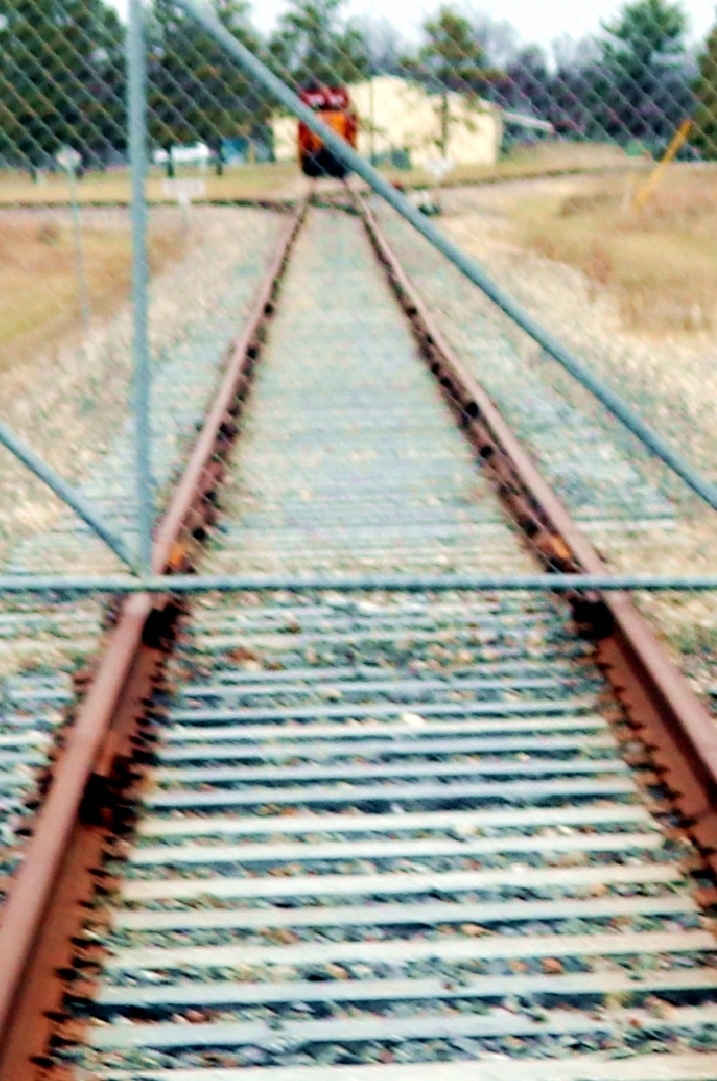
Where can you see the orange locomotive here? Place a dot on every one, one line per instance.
(333, 105)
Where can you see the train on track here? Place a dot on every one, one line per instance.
(334, 107)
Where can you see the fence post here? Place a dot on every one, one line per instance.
(69, 159)
(141, 386)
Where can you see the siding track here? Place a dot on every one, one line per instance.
(369, 835)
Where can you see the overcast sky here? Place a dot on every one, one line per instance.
(536, 23)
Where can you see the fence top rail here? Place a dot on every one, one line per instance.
(240, 583)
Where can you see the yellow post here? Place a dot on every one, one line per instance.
(678, 140)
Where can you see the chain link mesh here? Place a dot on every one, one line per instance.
(445, 95)
(576, 166)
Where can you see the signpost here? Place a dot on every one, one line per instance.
(70, 160)
(184, 190)
(439, 168)
(677, 142)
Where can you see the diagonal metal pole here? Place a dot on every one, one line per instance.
(205, 17)
(65, 492)
(141, 386)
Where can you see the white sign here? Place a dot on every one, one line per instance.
(68, 158)
(183, 155)
(440, 167)
(184, 189)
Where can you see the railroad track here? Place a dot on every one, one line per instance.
(353, 833)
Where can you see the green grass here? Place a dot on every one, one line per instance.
(246, 182)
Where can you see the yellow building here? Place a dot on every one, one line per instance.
(399, 120)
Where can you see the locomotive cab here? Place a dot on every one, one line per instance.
(333, 105)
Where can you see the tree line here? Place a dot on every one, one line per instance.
(62, 74)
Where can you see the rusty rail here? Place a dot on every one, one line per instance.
(676, 728)
(62, 857)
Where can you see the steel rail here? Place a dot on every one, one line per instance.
(52, 878)
(677, 729)
(260, 202)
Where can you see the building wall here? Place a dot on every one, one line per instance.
(396, 116)
(284, 132)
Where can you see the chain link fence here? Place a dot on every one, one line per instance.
(571, 153)
(444, 95)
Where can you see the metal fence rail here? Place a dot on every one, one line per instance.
(443, 583)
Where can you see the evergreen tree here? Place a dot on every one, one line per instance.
(452, 56)
(61, 78)
(636, 63)
(451, 59)
(706, 92)
(571, 85)
(197, 92)
(312, 41)
(529, 82)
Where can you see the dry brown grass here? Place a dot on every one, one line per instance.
(660, 262)
(39, 298)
